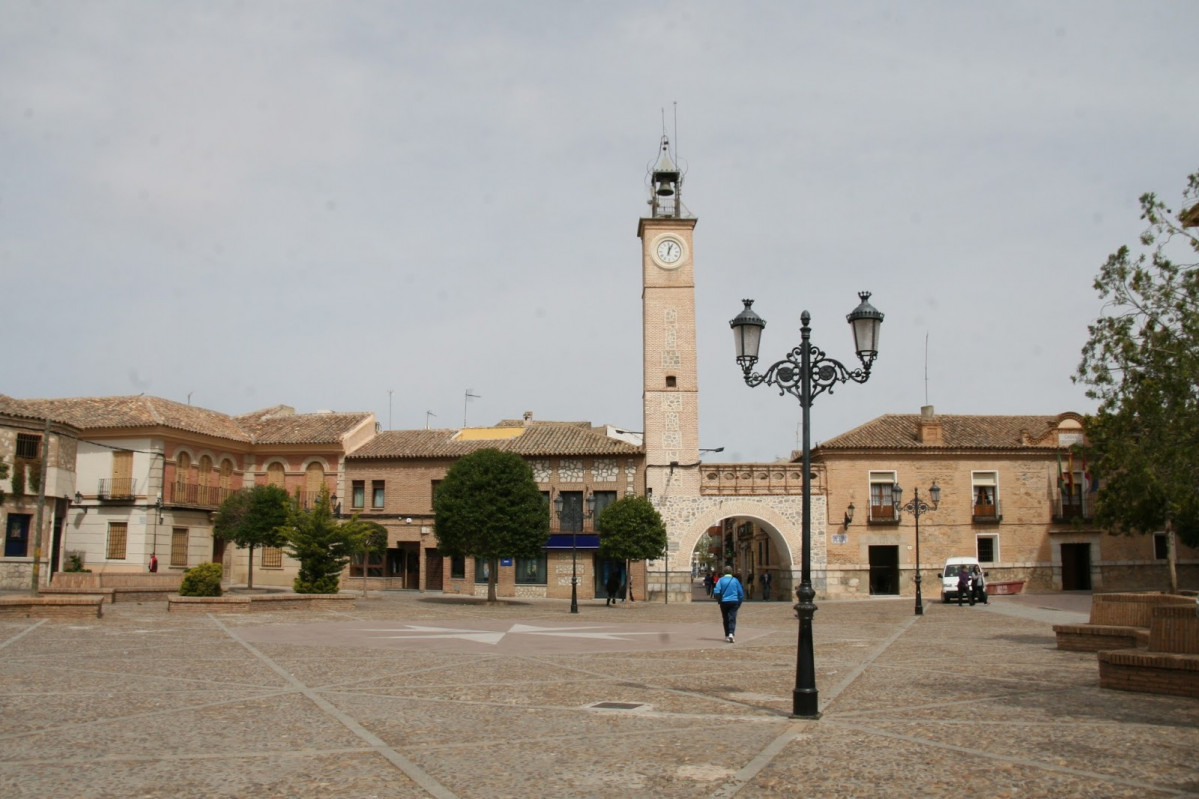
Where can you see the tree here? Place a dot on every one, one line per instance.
(321, 544)
(489, 507)
(370, 538)
(253, 518)
(1141, 362)
(631, 529)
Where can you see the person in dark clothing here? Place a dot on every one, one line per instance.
(709, 581)
(612, 587)
(965, 590)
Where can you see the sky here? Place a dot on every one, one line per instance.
(380, 206)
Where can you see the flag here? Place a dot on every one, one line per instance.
(1088, 478)
(1061, 478)
(1070, 472)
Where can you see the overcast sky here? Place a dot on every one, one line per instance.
(375, 206)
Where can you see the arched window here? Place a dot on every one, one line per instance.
(205, 470)
(185, 489)
(314, 478)
(226, 480)
(275, 475)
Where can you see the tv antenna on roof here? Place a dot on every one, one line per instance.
(427, 415)
(469, 396)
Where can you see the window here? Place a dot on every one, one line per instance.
(29, 446)
(671, 381)
(121, 485)
(984, 490)
(272, 558)
(882, 504)
(358, 494)
(377, 493)
(179, 546)
(571, 517)
(481, 570)
(117, 532)
(531, 571)
(374, 567)
(275, 474)
(602, 500)
(458, 567)
(988, 548)
(16, 535)
(1160, 546)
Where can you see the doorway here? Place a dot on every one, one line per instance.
(1076, 567)
(884, 570)
(433, 568)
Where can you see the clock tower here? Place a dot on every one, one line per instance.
(670, 388)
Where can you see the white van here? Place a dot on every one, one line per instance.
(949, 576)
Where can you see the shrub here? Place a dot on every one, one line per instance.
(328, 584)
(202, 580)
(75, 561)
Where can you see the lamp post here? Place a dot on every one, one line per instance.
(917, 507)
(576, 524)
(805, 374)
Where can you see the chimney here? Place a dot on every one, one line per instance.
(528, 417)
(928, 429)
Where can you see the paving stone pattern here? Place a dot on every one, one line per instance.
(416, 695)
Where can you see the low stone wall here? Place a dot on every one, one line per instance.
(1149, 672)
(245, 603)
(1131, 610)
(62, 607)
(1098, 637)
(1175, 629)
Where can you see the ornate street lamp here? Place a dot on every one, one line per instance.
(805, 374)
(576, 526)
(917, 507)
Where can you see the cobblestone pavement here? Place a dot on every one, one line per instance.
(423, 695)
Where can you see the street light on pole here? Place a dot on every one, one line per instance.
(806, 373)
(576, 526)
(917, 507)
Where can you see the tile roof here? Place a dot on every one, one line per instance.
(899, 431)
(539, 439)
(271, 426)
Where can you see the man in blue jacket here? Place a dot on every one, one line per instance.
(729, 593)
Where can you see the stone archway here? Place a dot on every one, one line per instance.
(780, 516)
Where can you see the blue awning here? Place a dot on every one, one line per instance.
(580, 541)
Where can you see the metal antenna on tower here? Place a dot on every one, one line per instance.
(427, 415)
(469, 397)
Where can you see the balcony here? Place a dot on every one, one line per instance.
(116, 488)
(1077, 507)
(192, 495)
(987, 513)
(883, 514)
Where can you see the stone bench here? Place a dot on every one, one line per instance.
(87, 606)
(1117, 621)
(245, 603)
(114, 593)
(1170, 665)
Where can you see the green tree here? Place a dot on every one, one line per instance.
(321, 544)
(370, 538)
(631, 529)
(1141, 362)
(489, 507)
(253, 518)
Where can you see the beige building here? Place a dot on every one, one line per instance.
(1011, 494)
(40, 456)
(150, 474)
(392, 478)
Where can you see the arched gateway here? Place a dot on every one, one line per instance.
(759, 500)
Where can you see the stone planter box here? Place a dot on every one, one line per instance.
(246, 603)
(62, 607)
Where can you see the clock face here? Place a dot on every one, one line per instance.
(668, 252)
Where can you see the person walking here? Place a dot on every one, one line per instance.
(709, 582)
(729, 593)
(765, 578)
(153, 563)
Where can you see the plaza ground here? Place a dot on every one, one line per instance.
(425, 695)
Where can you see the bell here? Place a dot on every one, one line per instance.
(665, 188)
